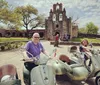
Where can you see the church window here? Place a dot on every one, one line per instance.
(54, 17)
(60, 17)
(57, 7)
(57, 25)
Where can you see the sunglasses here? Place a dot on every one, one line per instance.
(36, 37)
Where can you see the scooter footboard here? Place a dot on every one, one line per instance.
(43, 75)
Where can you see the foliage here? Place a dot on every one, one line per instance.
(12, 39)
(3, 4)
(91, 40)
(91, 28)
(8, 16)
(11, 45)
(29, 17)
(3, 9)
(82, 30)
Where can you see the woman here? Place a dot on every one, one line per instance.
(85, 52)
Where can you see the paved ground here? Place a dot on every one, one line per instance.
(14, 57)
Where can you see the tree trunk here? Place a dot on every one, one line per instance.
(27, 32)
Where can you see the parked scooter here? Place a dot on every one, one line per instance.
(76, 69)
(40, 74)
(9, 75)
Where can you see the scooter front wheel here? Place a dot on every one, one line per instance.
(97, 80)
(26, 82)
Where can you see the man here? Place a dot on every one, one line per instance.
(56, 40)
(34, 49)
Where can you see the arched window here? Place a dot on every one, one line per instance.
(54, 17)
(0, 34)
(57, 7)
(60, 17)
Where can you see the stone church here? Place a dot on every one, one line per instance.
(59, 23)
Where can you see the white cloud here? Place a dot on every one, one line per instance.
(86, 10)
(84, 20)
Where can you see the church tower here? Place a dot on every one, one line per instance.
(58, 22)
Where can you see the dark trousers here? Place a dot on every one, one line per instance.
(56, 43)
(29, 65)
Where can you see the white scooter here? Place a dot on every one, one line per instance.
(40, 74)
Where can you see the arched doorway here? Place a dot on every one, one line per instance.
(13, 34)
(41, 34)
(0, 34)
(8, 34)
(57, 33)
(20, 34)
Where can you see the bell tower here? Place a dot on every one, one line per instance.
(57, 22)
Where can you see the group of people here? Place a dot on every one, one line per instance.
(35, 48)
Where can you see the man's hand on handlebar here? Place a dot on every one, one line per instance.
(29, 60)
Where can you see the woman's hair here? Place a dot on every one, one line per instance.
(84, 40)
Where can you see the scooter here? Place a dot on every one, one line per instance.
(76, 69)
(9, 75)
(40, 74)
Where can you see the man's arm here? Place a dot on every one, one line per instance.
(43, 50)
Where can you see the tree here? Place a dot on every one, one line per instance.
(8, 16)
(91, 28)
(82, 30)
(29, 17)
(3, 9)
(3, 4)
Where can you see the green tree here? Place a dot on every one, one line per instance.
(3, 9)
(91, 28)
(82, 30)
(3, 4)
(29, 17)
(8, 16)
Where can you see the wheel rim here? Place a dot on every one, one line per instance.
(98, 81)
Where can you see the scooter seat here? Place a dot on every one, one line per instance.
(73, 49)
(64, 58)
(7, 70)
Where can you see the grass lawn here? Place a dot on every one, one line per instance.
(3, 39)
(91, 40)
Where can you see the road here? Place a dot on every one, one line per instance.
(15, 56)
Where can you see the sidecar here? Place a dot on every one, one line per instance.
(8, 75)
(74, 67)
(65, 66)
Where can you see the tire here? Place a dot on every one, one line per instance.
(97, 80)
(26, 82)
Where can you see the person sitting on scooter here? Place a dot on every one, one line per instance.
(34, 47)
(86, 52)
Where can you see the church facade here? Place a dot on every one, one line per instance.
(59, 23)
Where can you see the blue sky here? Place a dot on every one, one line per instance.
(86, 10)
